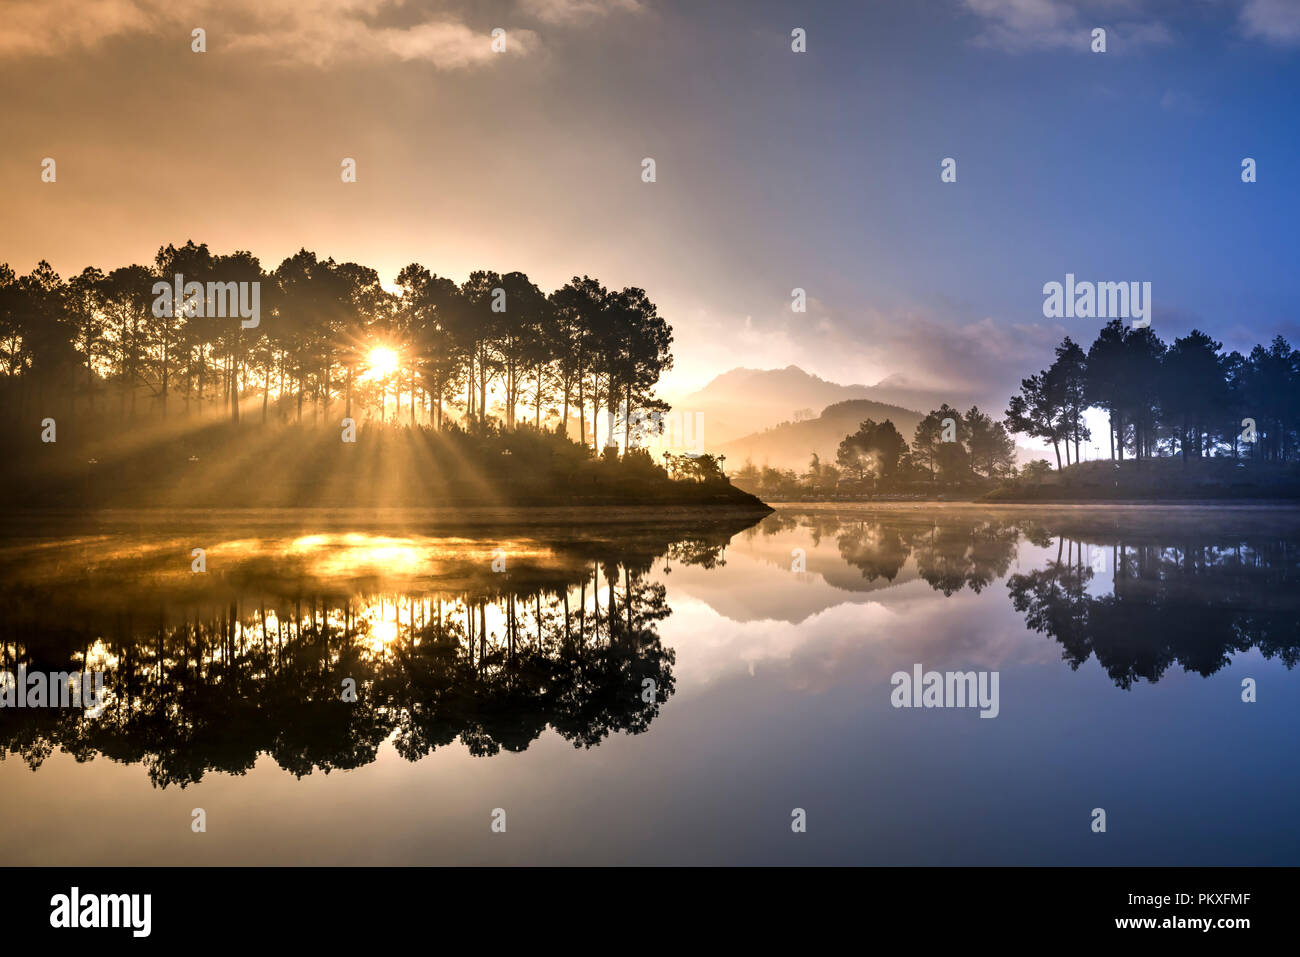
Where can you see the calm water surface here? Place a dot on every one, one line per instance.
(1121, 638)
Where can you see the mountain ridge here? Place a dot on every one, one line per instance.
(742, 401)
(790, 445)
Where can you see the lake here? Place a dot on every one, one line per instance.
(650, 686)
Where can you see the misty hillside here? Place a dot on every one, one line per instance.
(743, 401)
(791, 444)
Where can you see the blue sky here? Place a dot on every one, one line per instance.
(1115, 166)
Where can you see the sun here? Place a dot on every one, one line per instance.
(380, 363)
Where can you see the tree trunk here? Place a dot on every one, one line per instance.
(564, 422)
(482, 388)
(165, 362)
(469, 391)
(627, 418)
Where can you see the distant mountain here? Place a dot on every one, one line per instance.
(791, 444)
(742, 401)
(899, 390)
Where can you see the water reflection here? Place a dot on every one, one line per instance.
(205, 672)
(1190, 604)
(485, 641)
(1145, 593)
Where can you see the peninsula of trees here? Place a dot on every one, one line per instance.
(487, 390)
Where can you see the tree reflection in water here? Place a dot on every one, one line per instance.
(207, 672)
(210, 671)
(1193, 604)
(1182, 591)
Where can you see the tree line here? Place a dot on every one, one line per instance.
(493, 349)
(1185, 398)
(948, 448)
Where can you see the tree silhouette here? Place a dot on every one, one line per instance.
(583, 345)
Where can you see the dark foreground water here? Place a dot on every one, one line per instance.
(635, 688)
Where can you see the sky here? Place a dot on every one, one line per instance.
(775, 170)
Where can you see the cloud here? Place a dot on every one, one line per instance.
(447, 44)
(982, 356)
(317, 32)
(1012, 24)
(1277, 21)
(577, 11)
(978, 359)
(1017, 26)
(52, 26)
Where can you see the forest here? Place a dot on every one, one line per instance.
(1186, 398)
(432, 352)
(486, 391)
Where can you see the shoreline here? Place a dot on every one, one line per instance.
(437, 516)
(1106, 504)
